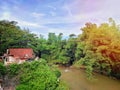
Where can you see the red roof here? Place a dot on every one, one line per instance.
(22, 53)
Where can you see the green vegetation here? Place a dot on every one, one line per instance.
(12, 36)
(36, 75)
(63, 86)
(52, 49)
(56, 50)
(101, 50)
(2, 70)
(13, 70)
(96, 49)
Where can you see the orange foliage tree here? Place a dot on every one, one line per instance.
(103, 44)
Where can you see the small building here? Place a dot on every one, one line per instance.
(18, 55)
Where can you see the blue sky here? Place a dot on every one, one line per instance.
(66, 16)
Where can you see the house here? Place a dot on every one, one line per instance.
(18, 55)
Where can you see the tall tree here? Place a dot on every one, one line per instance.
(101, 46)
(12, 36)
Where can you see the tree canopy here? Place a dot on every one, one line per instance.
(101, 47)
(12, 36)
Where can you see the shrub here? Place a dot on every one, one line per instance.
(2, 69)
(63, 86)
(37, 75)
(13, 70)
(57, 73)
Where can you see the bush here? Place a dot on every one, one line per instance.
(22, 87)
(2, 69)
(57, 73)
(63, 86)
(13, 70)
(38, 76)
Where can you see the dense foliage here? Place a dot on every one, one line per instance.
(57, 50)
(3, 70)
(35, 75)
(101, 50)
(13, 70)
(97, 48)
(12, 36)
(53, 48)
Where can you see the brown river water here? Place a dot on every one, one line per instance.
(77, 80)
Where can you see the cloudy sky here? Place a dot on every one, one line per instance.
(66, 16)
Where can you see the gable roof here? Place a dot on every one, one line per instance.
(22, 53)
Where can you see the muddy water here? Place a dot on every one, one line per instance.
(76, 79)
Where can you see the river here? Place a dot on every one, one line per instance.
(76, 79)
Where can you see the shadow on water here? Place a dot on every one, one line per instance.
(76, 79)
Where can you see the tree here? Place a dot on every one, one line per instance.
(12, 36)
(104, 44)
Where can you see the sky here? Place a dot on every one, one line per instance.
(58, 16)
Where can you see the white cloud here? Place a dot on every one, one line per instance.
(87, 11)
(22, 23)
(5, 15)
(37, 15)
(28, 24)
(52, 13)
(52, 7)
(66, 8)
